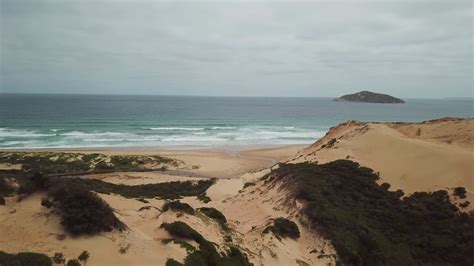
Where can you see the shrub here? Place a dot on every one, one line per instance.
(45, 202)
(84, 256)
(207, 253)
(73, 262)
(168, 190)
(214, 214)
(464, 204)
(65, 163)
(143, 200)
(36, 182)
(24, 259)
(203, 197)
(283, 227)
(172, 262)
(369, 225)
(5, 189)
(178, 207)
(460, 192)
(181, 229)
(83, 212)
(2, 201)
(249, 184)
(58, 258)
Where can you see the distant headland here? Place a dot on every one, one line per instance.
(368, 97)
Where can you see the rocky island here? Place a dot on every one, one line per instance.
(368, 97)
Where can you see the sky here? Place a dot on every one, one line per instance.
(409, 49)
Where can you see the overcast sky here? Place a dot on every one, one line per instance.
(420, 49)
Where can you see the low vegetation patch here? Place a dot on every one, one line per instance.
(214, 214)
(283, 228)
(168, 190)
(203, 197)
(81, 211)
(460, 192)
(369, 225)
(25, 259)
(207, 253)
(74, 163)
(5, 188)
(249, 184)
(178, 206)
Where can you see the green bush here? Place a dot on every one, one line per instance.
(172, 262)
(5, 189)
(214, 214)
(73, 262)
(204, 198)
(207, 253)
(25, 259)
(58, 258)
(168, 190)
(83, 212)
(283, 227)
(460, 192)
(178, 206)
(66, 163)
(84, 256)
(249, 184)
(464, 204)
(369, 225)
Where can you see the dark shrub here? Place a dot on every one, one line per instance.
(214, 214)
(24, 259)
(385, 186)
(178, 206)
(172, 262)
(143, 200)
(249, 184)
(45, 202)
(5, 189)
(464, 204)
(460, 192)
(58, 258)
(203, 197)
(283, 227)
(168, 190)
(84, 256)
(2, 201)
(207, 253)
(181, 229)
(83, 212)
(73, 262)
(369, 225)
(37, 182)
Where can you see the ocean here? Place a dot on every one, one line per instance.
(82, 121)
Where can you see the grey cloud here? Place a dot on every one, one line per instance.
(321, 48)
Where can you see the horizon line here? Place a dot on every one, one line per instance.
(214, 96)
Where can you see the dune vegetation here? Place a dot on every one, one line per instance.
(370, 225)
(282, 228)
(207, 253)
(83, 212)
(80, 163)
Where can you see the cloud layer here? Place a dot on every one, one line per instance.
(412, 48)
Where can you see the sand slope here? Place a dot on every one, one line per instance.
(425, 156)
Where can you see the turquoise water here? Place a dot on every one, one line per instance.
(64, 121)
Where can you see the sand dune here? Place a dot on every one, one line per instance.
(413, 157)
